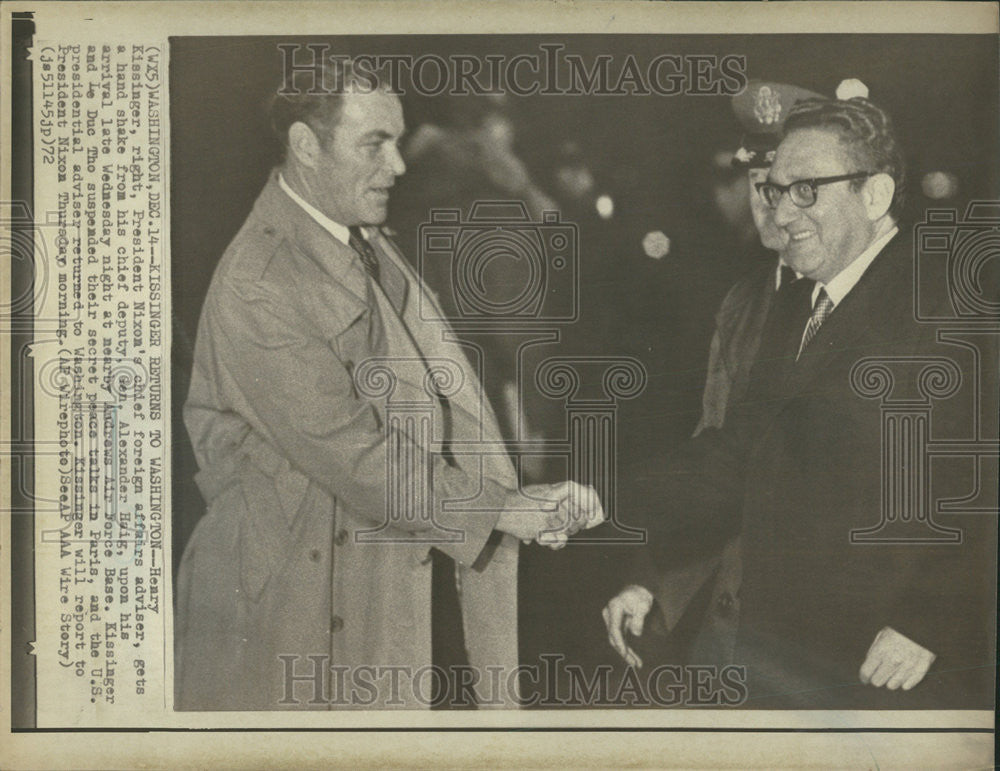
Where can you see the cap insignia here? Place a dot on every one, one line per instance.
(767, 106)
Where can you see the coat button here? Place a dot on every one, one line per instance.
(725, 604)
(336, 623)
(314, 555)
(340, 538)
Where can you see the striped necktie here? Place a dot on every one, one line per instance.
(822, 309)
(364, 249)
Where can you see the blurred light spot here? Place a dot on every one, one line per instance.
(656, 244)
(723, 159)
(939, 184)
(500, 130)
(575, 181)
(605, 207)
(570, 148)
(851, 88)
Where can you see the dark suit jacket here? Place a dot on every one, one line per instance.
(798, 467)
(739, 323)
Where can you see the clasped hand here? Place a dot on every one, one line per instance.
(550, 513)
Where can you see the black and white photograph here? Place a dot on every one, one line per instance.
(628, 369)
(616, 296)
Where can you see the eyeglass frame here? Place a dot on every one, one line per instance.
(814, 184)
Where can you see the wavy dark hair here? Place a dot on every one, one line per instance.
(315, 97)
(865, 131)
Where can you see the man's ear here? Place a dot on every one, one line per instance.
(303, 144)
(878, 194)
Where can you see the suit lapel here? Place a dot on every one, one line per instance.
(865, 315)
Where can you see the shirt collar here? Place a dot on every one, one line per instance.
(844, 281)
(335, 229)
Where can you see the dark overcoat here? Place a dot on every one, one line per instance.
(798, 471)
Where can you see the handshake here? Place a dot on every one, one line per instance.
(550, 513)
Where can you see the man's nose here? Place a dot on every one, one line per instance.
(395, 162)
(785, 212)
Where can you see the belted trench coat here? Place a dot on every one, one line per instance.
(307, 584)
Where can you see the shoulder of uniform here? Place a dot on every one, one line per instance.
(752, 282)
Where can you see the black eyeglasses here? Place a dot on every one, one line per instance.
(802, 191)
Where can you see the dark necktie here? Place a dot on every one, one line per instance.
(780, 337)
(364, 249)
(822, 309)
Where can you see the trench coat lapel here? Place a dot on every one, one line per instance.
(414, 337)
(474, 420)
(352, 292)
(487, 590)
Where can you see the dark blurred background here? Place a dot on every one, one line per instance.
(664, 228)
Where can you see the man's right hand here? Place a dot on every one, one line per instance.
(556, 512)
(628, 610)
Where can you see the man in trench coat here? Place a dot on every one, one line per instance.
(308, 582)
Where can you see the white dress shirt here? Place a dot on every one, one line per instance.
(335, 229)
(844, 281)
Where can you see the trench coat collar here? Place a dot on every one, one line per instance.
(304, 233)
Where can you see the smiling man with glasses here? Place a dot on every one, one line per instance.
(797, 467)
(835, 187)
